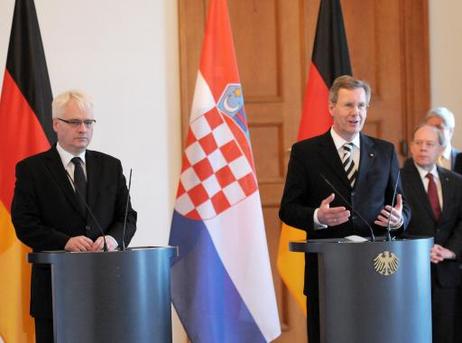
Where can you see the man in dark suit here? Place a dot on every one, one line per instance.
(435, 197)
(450, 158)
(443, 119)
(362, 169)
(52, 192)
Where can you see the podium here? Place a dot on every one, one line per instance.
(120, 296)
(373, 291)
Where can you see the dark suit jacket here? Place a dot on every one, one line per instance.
(456, 161)
(305, 189)
(447, 231)
(46, 213)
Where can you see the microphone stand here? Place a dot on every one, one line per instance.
(388, 238)
(352, 209)
(126, 210)
(90, 212)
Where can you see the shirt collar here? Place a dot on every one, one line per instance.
(423, 173)
(447, 152)
(339, 141)
(66, 156)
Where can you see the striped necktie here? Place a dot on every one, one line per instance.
(349, 164)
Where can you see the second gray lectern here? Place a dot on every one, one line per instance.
(120, 296)
(373, 292)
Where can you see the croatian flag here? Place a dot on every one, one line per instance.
(222, 287)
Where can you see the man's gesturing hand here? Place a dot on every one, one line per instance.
(396, 214)
(332, 216)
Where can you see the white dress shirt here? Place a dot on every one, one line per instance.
(66, 158)
(445, 158)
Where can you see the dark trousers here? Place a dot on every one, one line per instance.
(43, 330)
(458, 316)
(443, 314)
(312, 319)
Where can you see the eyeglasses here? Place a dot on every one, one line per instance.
(75, 123)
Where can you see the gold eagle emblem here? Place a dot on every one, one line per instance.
(386, 263)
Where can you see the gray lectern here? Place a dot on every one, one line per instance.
(121, 296)
(373, 292)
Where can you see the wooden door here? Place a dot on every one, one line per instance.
(388, 43)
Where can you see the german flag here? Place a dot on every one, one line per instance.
(330, 59)
(25, 117)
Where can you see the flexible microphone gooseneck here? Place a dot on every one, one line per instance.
(392, 205)
(126, 210)
(352, 209)
(90, 212)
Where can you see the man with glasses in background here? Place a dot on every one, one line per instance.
(450, 158)
(435, 197)
(68, 198)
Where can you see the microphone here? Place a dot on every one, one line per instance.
(90, 212)
(392, 205)
(126, 210)
(352, 209)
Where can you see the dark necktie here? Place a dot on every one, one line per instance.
(348, 163)
(433, 196)
(80, 182)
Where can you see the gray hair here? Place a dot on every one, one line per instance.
(444, 114)
(60, 102)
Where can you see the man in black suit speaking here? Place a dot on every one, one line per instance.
(59, 194)
(364, 170)
(435, 197)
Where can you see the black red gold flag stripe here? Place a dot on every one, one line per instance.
(330, 59)
(26, 129)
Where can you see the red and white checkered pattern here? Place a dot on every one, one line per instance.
(216, 174)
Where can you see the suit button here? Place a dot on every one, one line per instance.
(354, 217)
(353, 194)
